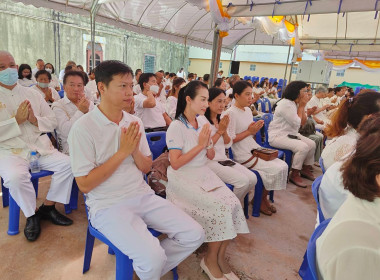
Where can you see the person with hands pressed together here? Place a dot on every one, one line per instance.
(25, 118)
(43, 79)
(148, 106)
(320, 114)
(194, 187)
(230, 172)
(70, 108)
(289, 116)
(242, 131)
(109, 152)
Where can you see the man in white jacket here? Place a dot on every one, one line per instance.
(25, 118)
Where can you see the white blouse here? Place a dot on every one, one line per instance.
(339, 147)
(285, 120)
(239, 122)
(171, 106)
(54, 82)
(219, 146)
(26, 82)
(349, 248)
(54, 93)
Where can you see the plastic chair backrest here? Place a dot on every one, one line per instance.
(61, 93)
(267, 119)
(266, 100)
(322, 165)
(157, 142)
(262, 105)
(258, 138)
(315, 190)
(311, 251)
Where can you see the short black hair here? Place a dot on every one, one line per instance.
(144, 78)
(162, 71)
(292, 90)
(138, 70)
(42, 72)
(240, 86)
(40, 59)
(73, 74)
(275, 83)
(106, 70)
(190, 76)
(68, 68)
(52, 67)
(22, 68)
(166, 73)
(172, 75)
(218, 82)
(206, 77)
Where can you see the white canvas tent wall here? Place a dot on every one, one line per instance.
(187, 22)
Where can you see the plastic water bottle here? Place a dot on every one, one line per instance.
(33, 163)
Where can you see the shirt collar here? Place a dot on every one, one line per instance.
(66, 100)
(185, 122)
(103, 120)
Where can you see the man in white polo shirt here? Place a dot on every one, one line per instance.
(109, 152)
(148, 106)
(70, 108)
(25, 118)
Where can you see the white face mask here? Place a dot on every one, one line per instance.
(154, 88)
(49, 70)
(43, 85)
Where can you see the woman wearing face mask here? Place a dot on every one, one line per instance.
(43, 79)
(197, 190)
(54, 79)
(171, 101)
(229, 171)
(25, 75)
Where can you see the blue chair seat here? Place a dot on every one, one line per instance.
(157, 142)
(14, 209)
(308, 269)
(124, 268)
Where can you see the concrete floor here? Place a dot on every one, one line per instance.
(273, 250)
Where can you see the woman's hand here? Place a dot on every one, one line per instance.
(254, 127)
(204, 136)
(223, 124)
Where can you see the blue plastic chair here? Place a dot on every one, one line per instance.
(308, 269)
(61, 93)
(258, 191)
(14, 209)
(315, 190)
(266, 101)
(262, 104)
(288, 153)
(124, 268)
(157, 142)
(322, 165)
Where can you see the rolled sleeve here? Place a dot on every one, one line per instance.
(174, 137)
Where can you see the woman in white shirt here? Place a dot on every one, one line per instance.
(283, 132)
(349, 248)
(197, 190)
(43, 78)
(229, 171)
(171, 101)
(344, 124)
(272, 94)
(25, 76)
(242, 130)
(54, 79)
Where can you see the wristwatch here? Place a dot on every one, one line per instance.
(210, 146)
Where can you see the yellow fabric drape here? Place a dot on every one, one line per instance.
(276, 19)
(289, 26)
(374, 64)
(340, 62)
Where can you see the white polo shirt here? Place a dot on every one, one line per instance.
(151, 117)
(67, 113)
(93, 140)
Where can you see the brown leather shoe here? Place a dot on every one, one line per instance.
(306, 173)
(295, 178)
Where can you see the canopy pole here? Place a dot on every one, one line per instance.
(94, 9)
(290, 74)
(287, 61)
(216, 50)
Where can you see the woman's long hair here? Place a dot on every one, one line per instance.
(189, 90)
(213, 93)
(176, 82)
(352, 111)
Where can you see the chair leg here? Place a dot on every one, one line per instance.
(175, 274)
(124, 268)
(110, 251)
(258, 195)
(271, 195)
(5, 194)
(14, 217)
(74, 196)
(246, 203)
(88, 251)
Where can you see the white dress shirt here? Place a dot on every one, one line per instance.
(137, 89)
(93, 140)
(349, 248)
(319, 103)
(67, 113)
(151, 117)
(20, 139)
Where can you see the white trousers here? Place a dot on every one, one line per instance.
(15, 172)
(303, 149)
(125, 225)
(239, 176)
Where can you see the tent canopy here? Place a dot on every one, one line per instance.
(352, 32)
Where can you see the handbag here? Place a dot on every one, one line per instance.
(262, 153)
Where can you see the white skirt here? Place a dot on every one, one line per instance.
(274, 173)
(219, 212)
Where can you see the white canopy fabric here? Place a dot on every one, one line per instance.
(188, 22)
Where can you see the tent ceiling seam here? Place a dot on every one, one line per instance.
(163, 29)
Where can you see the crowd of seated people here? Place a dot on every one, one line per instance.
(100, 125)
